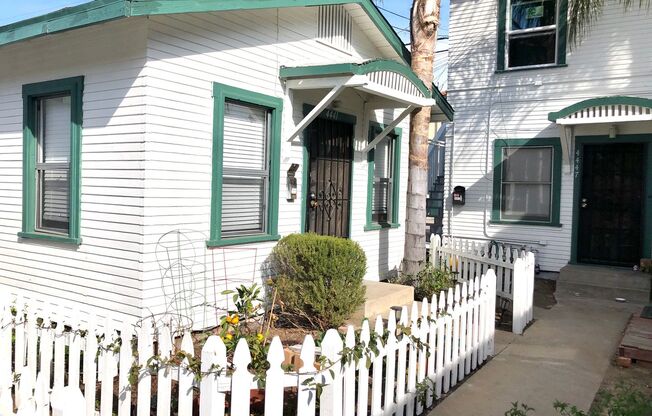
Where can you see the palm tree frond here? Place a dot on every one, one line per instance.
(582, 14)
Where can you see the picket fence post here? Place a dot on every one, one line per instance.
(274, 379)
(213, 358)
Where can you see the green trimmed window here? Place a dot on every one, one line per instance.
(527, 181)
(246, 166)
(383, 183)
(52, 125)
(531, 33)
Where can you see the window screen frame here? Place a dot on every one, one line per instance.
(221, 94)
(397, 136)
(561, 30)
(555, 197)
(33, 93)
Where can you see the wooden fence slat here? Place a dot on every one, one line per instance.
(59, 352)
(401, 400)
(164, 375)
(432, 351)
(74, 350)
(307, 392)
(213, 359)
(330, 402)
(6, 327)
(145, 352)
(412, 361)
(19, 343)
(390, 365)
(241, 380)
(349, 376)
(107, 366)
(377, 370)
(274, 385)
(90, 366)
(363, 372)
(186, 377)
(423, 352)
(126, 362)
(440, 346)
(455, 340)
(461, 370)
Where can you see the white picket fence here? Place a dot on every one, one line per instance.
(449, 337)
(514, 271)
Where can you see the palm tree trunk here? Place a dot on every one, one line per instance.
(424, 23)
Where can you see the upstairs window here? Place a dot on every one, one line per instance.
(51, 160)
(532, 33)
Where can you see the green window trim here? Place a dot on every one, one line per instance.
(31, 92)
(221, 93)
(562, 38)
(374, 129)
(501, 144)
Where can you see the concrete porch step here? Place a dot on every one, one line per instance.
(380, 299)
(605, 283)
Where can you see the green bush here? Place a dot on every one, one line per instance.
(428, 281)
(318, 279)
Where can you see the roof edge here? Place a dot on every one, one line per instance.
(598, 101)
(99, 11)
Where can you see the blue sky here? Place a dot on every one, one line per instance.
(396, 11)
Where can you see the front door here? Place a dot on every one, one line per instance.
(330, 150)
(611, 204)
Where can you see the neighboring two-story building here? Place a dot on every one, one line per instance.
(551, 141)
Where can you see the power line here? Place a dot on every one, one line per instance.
(394, 13)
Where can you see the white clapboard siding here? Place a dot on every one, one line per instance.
(102, 275)
(599, 66)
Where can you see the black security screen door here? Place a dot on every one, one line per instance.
(611, 205)
(330, 149)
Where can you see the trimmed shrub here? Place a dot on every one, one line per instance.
(318, 279)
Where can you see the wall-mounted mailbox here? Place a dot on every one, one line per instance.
(292, 182)
(459, 195)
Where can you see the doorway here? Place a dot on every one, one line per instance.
(611, 204)
(330, 165)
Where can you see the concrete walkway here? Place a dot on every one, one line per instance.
(562, 356)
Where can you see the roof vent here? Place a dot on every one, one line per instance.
(335, 27)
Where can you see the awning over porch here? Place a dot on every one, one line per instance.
(615, 109)
(388, 83)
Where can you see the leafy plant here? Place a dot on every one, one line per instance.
(318, 279)
(428, 281)
(624, 400)
(519, 409)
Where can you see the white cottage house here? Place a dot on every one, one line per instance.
(152, 153)
(552, 142)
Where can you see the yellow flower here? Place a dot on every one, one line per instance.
(228, 336)
(228, 318)
(260, 337)
(235, 319)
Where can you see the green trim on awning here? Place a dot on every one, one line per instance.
(366, 68)
(99, 11)
(600, 101)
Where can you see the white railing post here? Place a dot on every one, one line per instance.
(519, 292)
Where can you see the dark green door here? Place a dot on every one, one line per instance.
(611, 204)
(330, 150)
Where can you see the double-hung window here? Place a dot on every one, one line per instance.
(383, 179)
(532, 33)
(52, 113)
(526, 181)
(245, 166)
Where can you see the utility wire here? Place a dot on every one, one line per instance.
(394, 13)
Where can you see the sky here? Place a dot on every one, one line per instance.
(396, 11)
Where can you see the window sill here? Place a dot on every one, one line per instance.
(528, 223)
(376, 226)
(50, 237)
(232, 241)
(529, 68)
